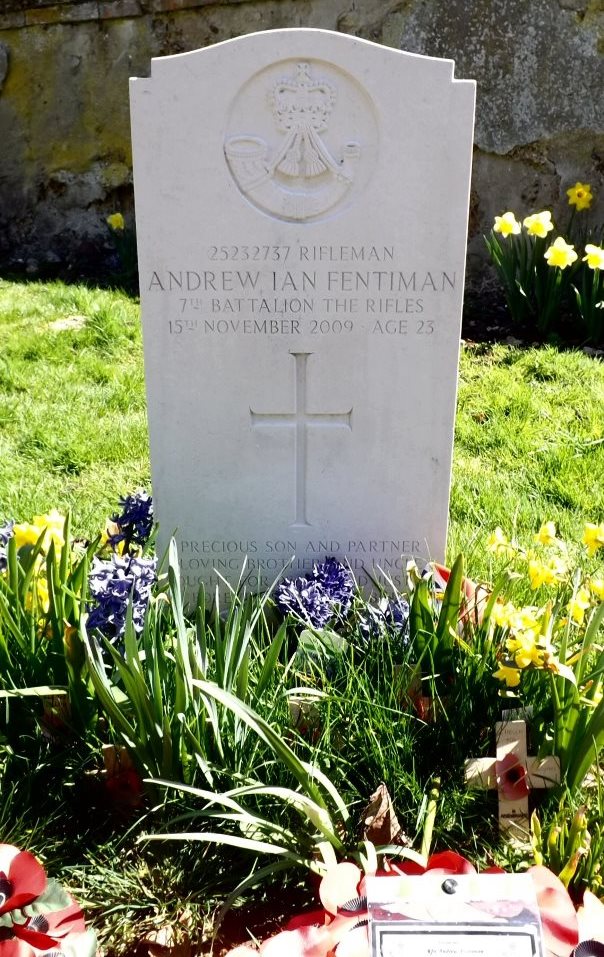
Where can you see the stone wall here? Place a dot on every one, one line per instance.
(65, 159)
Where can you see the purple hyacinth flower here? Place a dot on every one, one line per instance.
(387, 618)
(397, 615)
(113, 584)
(6, 533)
(319, 598)
(135, 521)
(306, 599)
(336, 581)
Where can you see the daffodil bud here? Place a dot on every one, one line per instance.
(570, 868)
(536, 835)
(553, 847)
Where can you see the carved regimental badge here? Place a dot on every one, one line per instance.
(294, 174)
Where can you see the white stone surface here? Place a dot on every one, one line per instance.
(301, 207)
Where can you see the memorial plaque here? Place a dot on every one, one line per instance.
(301, 209)
(435, 915)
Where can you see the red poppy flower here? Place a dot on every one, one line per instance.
(54, 925)
(29, 935)
(22, 879)
(45, 931)
(17, 947)
(512, 778)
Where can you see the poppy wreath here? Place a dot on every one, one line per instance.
(36, 915)
(339, 929)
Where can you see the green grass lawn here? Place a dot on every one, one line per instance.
(529, 441)
(73, 431)
(529, 444)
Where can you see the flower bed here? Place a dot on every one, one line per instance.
(194, 707)
(545, 286)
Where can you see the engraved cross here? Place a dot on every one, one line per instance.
(301, 420)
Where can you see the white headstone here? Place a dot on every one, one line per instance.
(301, 207)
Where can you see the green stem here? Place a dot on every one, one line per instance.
(586, 750)
(428, 829)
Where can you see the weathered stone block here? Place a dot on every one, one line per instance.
(12, 20)
(168, 5)
(3, 63)
(42, 15)
(116, 9)
(79, 12)
(538, 70)
(62, 13)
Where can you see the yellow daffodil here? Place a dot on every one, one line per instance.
(596, 586)
(539, 224)
(54, 523)
(593, 537)
(507, 225)
(578, 605)
(594, 257)
(580, 195)
(552, 663)
(525, 650)
(511, 676)
(525, 620)
(501, 614)
(498, 544)
(26, 534)
(116, 222)
(560, 254)
(51, 525)
(547, 534)
(539, 574)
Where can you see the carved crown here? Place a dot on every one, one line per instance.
(299, 101)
